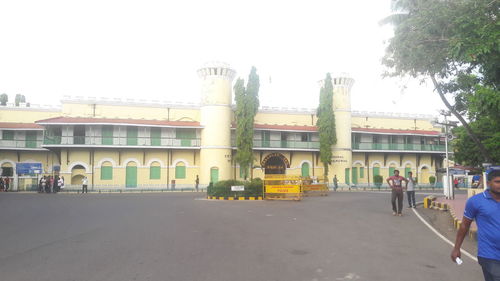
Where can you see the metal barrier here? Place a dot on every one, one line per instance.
(282, 187)
(315, 187)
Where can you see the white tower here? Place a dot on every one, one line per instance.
(342, 151)
(216, 99)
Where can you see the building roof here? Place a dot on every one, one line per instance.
(20, 126)
(109, 121)
(396, 132)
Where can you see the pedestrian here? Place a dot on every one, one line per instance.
(44, 184)
(60, 184)
(6, 183)
(51, 184)
(335, 183)
(455, 182)
(84, 185)
(410, 190)
(485, 209)
(395, 182)
(1, 184)
(197, 183)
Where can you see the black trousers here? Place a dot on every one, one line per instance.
(84, 188)
(411, 198)
(397, 194)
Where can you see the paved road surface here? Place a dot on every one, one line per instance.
(346, 236)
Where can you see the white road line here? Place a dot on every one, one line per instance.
(442, 237)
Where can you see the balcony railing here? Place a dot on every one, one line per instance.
(398, 146)
(120, 141)
(285, 144)
(20, 143)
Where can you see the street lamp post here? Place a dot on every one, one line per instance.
(451, 193)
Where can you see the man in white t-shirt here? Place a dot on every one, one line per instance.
(410, 190)
(84, 184)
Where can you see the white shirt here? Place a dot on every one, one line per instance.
(411, 185)
(84, 181)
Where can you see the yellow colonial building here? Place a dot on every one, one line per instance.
(138, 144)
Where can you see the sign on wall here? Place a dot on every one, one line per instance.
(28, 168)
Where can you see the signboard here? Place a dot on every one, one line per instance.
(28, 168)
(237, 188)
(285, 188)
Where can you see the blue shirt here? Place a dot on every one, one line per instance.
(486, 211)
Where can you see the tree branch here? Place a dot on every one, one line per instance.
(468, 129)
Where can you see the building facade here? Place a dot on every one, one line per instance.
(119, 143)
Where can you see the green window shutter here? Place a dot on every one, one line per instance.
(305, 169)
(106, 173)
(30, 139)
(214, 175)
(391, 171)
(155, 172)
(347, 175)
(131, 176)
(407, 170)
(376, 171)
(156, 136)
(131, 135)
(361, 172)
(354, 175)
(107, 135)
(180, 172)
(7, 135)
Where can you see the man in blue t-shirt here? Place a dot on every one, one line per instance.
(485, 209)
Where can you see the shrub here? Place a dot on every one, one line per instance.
(432, 179)
(223, 188)
(378, 180)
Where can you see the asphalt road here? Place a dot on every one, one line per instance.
(175, 236)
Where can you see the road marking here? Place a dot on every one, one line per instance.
(442, 237)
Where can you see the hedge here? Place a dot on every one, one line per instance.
(223, 188)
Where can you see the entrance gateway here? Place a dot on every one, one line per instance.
(275, 164)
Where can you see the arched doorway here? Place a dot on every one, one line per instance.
(77, 174)
(275, 164)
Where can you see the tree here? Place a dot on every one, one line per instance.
(4, 98)
(247, 104)
(456, 45)
(326, 123)
(19, 98)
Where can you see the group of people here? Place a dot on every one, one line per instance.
(4, 183)
(396, 184)
(51, 184)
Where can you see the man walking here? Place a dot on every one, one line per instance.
(197, 183)
(395, 182)
(335, 183)
(85, 181)
(410, 190)
(485, 209)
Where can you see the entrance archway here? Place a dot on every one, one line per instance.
(275, 164)
(77, 174)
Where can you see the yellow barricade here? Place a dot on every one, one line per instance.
(315, 186)
(282, 187)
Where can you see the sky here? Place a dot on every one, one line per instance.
(152, 49)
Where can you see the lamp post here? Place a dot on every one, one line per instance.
(451, 192)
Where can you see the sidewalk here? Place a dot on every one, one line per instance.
(457, 207)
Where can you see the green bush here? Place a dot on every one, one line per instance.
(432, 179)
(378, 180)
(223, 188)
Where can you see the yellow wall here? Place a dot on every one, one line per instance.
(392, 123)
(25, 115)
(285, 119)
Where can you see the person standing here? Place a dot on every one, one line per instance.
(6, 183)
(455, 182)
(197, 183)
(395, 182)
(43, 183)
(61, 183)
(410, 190)
(335, 183)
(85, 182)
(485, 209)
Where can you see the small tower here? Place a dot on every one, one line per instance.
(342, 151)
(215, 117)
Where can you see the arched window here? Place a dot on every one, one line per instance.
(180, 171)
(305, 169)
(155, 171)
(407, 170)
(106, 171)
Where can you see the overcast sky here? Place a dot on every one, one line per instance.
(152, 49)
